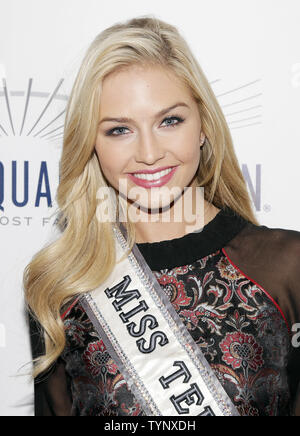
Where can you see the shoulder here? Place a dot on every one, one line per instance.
(289, 246)
(286, 241)
(276, 237)
(277, 249)
(284, 249)
(292, 240)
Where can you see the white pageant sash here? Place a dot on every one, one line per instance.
(162, 365)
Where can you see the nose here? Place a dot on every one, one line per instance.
(149, 149)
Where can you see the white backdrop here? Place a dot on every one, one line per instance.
(250, 52)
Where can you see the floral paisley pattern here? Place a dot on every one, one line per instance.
(240, 350)
(96, 358)
(238, 328)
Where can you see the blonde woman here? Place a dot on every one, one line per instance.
(144, 313)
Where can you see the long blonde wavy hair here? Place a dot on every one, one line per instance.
(83, 256)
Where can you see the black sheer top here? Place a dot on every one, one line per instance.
(236, 288)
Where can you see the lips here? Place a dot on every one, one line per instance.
(153, 183)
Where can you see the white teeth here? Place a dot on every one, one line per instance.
(154, 176)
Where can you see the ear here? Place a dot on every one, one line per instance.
(202, 138)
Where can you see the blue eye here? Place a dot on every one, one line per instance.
(170, 123)
(111, 132)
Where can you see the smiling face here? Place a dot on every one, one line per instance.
(149, 122)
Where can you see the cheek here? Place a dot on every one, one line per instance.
(109, 163)
(187, 147)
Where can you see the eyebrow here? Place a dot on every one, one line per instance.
(159, 114)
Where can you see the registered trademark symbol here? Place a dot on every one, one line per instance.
(267, 208)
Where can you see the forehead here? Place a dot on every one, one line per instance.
(154, 82)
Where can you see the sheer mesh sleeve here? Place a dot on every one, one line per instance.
(52, 392)
(293, 270)
(271, 258)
